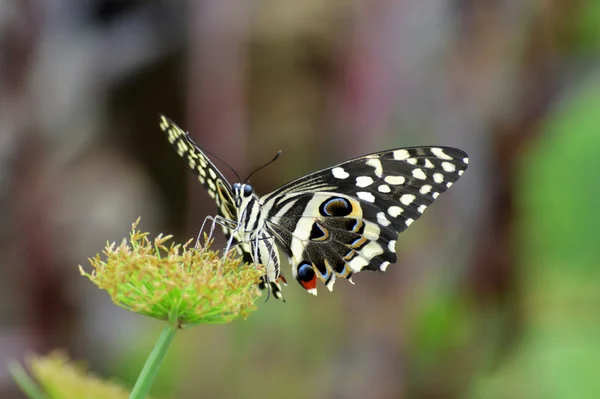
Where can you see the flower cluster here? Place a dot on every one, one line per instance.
(183, 285)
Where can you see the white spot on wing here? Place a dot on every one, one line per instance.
(466, 161)
(419, 174)
(438, 152)
(412, 161)
(376, 163)
(395, 180)
(366, 196)
(339, 173)
(448, 167)
(460, 172)
(392, 246)
(212, 173)
(371, 231)
(357, 264)
(384, 188)
(435, 195)
(425, 189)
(164, 124)
(312, 291)
(364, 181)
(371, 250)
(409, 221)
(449, 184)
(181, 148)
(331, 282)
(428, 164)
(382, 220)
(407, 199)
(401, 155)
(384, 266)
(421, 208)
(394, 211)
(438, 178)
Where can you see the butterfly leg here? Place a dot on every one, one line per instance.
(232, 234)
(230, 224)
(220, 220)
(230, 241)
(202, 229)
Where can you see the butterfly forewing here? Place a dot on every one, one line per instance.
(218, 188)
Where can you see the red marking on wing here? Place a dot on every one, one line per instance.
(309, 285)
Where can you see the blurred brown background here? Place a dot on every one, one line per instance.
(497, 288)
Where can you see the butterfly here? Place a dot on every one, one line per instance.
(331, 223)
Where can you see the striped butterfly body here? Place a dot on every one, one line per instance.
(330, 223)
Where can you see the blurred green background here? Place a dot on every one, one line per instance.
(496, 290)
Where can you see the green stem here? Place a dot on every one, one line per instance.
(25, 382)
(148, 373)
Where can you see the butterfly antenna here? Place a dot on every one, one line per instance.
(264, 166)
(224, 163)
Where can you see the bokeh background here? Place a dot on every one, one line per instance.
(496, 293)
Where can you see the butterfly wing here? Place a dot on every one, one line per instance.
(217, 186)
(346, 218)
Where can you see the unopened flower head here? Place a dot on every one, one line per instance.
(62, 379)
(184, 285)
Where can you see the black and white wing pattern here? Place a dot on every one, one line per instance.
(331, 223)
(218, 188)
(346, 218)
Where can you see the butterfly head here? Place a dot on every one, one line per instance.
(242, 192)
